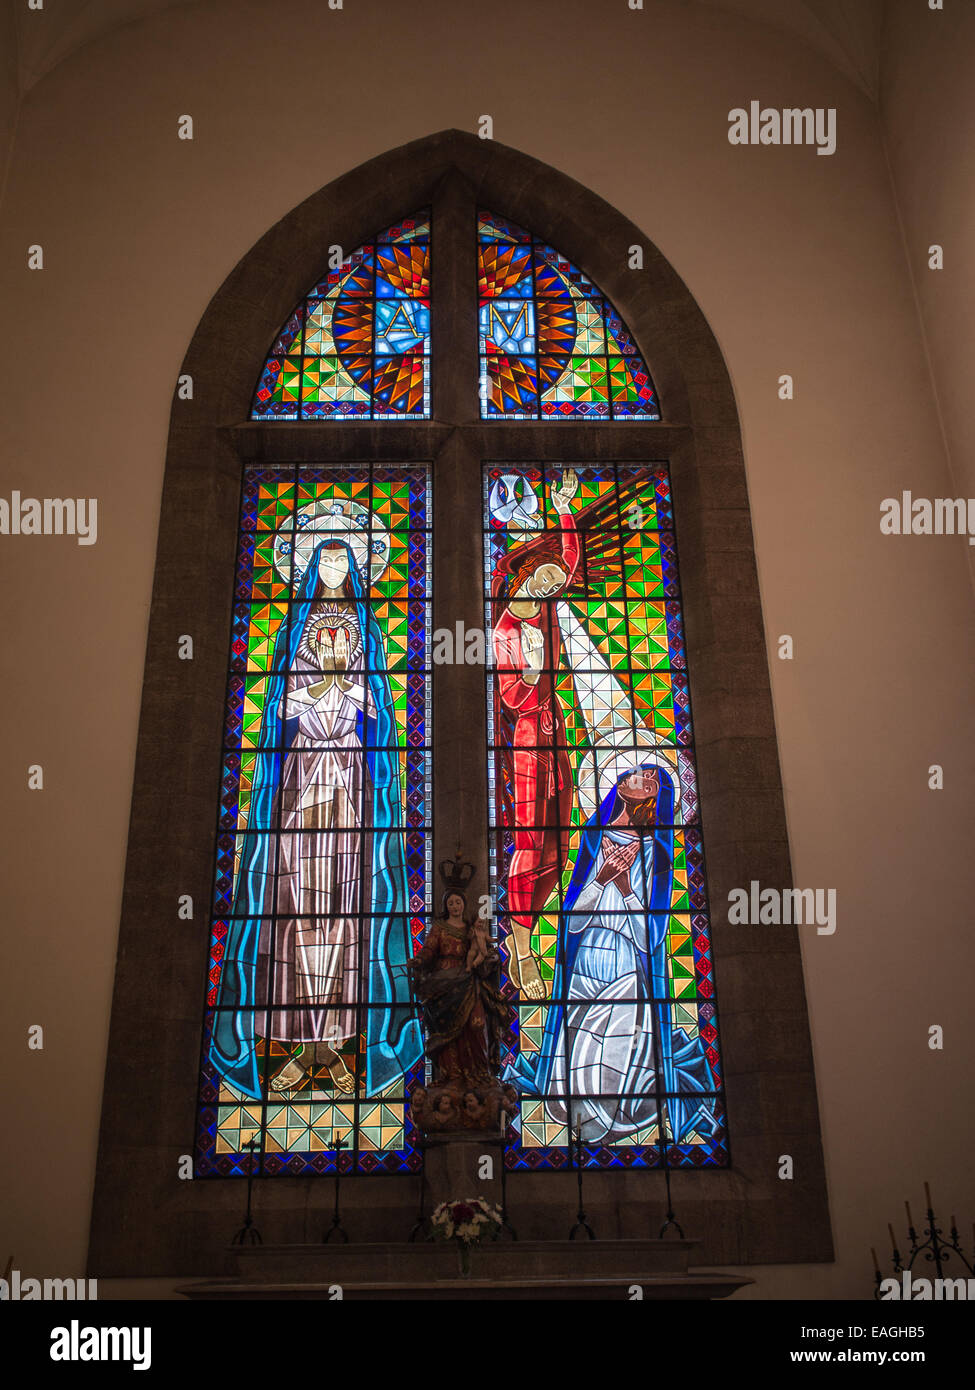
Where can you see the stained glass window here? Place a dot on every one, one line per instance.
(595, 829)
(323, 857)
(323, 876)
(551, 345)
(358, 344)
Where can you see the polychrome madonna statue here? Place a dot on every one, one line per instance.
(457, 978)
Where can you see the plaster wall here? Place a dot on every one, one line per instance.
(799, 265)
(929, 126)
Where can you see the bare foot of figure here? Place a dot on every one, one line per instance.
(291, 1075)
(525, 975)
(341, 1075)
(326, 1055)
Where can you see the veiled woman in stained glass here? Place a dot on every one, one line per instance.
(315, 951)
(609, 1046)
(326, 769)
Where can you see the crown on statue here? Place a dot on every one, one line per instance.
(456, 874)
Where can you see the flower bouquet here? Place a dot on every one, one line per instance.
(467, 1223)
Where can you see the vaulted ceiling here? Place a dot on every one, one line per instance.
(846, 34)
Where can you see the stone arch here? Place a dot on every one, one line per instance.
(145, 1219)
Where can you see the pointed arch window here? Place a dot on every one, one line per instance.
(609, 973)
(481, 487)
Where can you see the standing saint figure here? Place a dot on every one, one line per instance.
(456, 974)
(327, 767)
(315, 947)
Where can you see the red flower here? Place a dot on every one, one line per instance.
(461, 1212)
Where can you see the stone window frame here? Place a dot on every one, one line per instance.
(146, 1220)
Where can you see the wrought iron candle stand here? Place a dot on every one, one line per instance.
(581, 1223)
(935, 1249)
(505, 1223)
(421, 1218)
(671, 1217)
(336, 1228)
(248, 1233)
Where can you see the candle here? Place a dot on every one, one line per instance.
(927, 1195)
(954, 1225)
(893, 1238)
(910, 1218)
(876, 1262)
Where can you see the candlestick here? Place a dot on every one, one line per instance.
(927, 1243)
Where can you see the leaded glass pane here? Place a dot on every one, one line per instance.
(595, 827)
(551, 345)
(358, 344)
(323, 844)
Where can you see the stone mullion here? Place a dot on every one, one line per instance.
(453, 307)
(459, 709)
(459, 703)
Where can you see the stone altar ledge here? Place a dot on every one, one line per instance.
(502, 1269)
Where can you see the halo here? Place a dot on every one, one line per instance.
(612, 759)
(351, 521)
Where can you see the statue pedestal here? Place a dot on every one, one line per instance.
(463, 1125)
(457, 1166)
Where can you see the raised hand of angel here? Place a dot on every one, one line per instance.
(563, 494)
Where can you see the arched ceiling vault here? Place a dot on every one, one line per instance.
(848, 36)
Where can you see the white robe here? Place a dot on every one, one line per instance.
(608, 1012)
(321, 860)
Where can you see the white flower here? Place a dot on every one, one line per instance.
(471, 1230)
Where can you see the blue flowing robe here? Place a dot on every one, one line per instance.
(608, 1036)
(393, 1041)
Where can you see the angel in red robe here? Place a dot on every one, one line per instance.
(536, 777)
